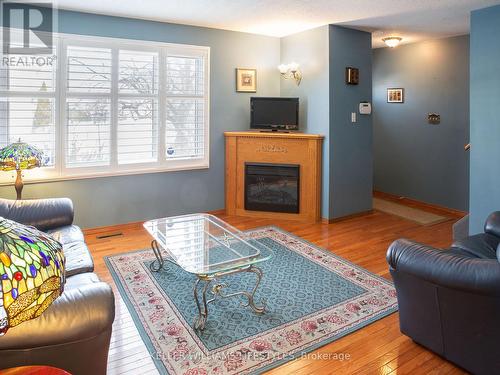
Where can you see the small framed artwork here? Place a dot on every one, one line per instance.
(246, 80)
(351, 75)
(395, 95)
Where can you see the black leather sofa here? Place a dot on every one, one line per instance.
(449, 301)
(75, 331)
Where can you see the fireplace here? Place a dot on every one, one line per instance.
(272, 187)
(298, 150)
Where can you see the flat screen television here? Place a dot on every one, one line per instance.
(274, 113)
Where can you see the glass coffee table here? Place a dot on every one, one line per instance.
(209, 248)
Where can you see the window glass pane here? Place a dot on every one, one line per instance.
(89, 70)
(185, 75)
(28, 73)
(185, 128)
(88, 132)
(31, 120)
(138, 72)
(137, 131)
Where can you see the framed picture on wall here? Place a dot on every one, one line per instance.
(246, 80)
(395, 95)
(351, 75)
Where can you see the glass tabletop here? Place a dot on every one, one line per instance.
(204, 244)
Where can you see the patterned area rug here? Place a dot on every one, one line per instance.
(313, 297)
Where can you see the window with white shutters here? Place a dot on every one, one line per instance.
(110, 106)
(185, 106)
(28, 103)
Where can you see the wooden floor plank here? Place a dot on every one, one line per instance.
(376, 349)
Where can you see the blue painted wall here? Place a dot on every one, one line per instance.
(351, 156)
(113, 200)
(326, 106)
(484, 116)
(412, 158)
(310, 49)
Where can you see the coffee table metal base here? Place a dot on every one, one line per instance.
(212, 284)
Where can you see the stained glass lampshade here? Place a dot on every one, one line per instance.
(31, 273)
(20, 155)
(17, 157)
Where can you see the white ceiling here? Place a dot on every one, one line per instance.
(414, 20)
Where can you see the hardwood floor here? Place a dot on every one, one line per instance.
(376, 349)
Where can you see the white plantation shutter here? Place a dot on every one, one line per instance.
(137, 107)
(185, 131)
(88, 132)
(25, 77)
(30, 119)
(27, 102)
(137, 131)
(89, 70)
(185, 75)
(185, 106)
(138, 72)
(88, 107)
(110, 106)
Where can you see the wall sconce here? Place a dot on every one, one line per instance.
(291, 71)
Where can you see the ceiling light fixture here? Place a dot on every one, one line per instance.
(392, 41)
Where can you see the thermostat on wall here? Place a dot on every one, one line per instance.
(365, 108)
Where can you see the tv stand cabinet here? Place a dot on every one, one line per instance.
(276, 148)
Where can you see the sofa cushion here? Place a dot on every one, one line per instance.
(81, 279)
(78, 258)
(67, 234)
(482, 246)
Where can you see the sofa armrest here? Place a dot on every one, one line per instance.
(492, 225)
(441, 267)
(43, 214)
(80, 314)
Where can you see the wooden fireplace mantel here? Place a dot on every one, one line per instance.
(278, 148)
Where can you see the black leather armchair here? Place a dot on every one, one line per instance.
(449, 301)
(75, 331)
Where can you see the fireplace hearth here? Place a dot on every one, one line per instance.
(302, 152)
(272, 187)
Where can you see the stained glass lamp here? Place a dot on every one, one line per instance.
(17, 157)
(31, 273)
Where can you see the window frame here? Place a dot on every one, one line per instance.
(61, 172)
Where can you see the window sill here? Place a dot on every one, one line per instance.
(28, 181)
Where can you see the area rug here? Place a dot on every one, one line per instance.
(409, 213)
(313, 297)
